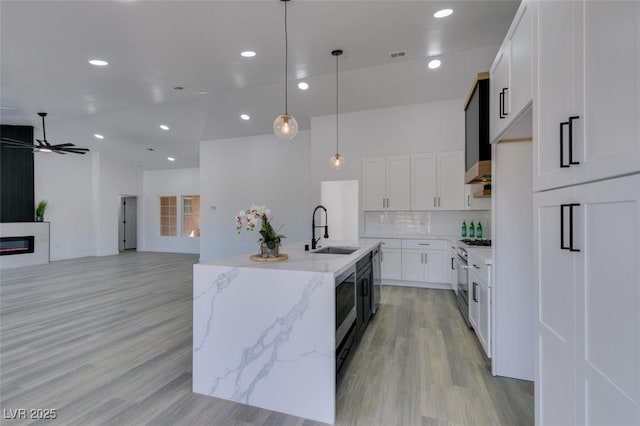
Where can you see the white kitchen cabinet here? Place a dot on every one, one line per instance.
(453, 274)
(475, 203)
(587, 303)
(425, 260)
(510, 74)
(391, 262)
(437, 181)
(588, 96)
(387, 183)
(480, 300)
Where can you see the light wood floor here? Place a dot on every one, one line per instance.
(108, 341)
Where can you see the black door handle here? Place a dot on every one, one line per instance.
(501, 103)
(452, 264)
(571, 206)
(570, 246)
(504, 102)
(575, 117)
(474, 292)
(565, 123)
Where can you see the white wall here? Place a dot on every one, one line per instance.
(82, 194)
(65, 181)
(409, 129)
(159, 183)
(234, 173)
(114, 179)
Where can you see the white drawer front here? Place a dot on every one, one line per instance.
(389, 243)
(425, 244)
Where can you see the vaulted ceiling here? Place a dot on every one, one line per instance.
(154, 46)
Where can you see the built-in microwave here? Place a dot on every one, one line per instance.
(345, 303)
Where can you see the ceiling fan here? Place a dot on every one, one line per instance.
(43, 145)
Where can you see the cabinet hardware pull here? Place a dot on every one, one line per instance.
(434, 201)
(570, 246)
(424, 244)
(500, 104)
(575, 117)
(438, 201)
(562, 165)
(468, 200)
(426, 258)
(504, 102)
(388, 203)
(476, 266)
(571, 206)
(475, 299)
(452, 263)
(562, 246)
(421, 257)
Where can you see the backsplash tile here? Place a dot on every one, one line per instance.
(416, 223)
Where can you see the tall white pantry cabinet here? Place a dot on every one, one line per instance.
(586, 148)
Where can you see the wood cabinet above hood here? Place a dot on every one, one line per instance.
(477, 142)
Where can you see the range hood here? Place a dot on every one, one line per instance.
(477, 143)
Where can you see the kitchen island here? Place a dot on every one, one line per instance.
(264, 334)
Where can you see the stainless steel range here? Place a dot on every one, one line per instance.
(462, 270)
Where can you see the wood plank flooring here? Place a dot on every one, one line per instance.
(108, 341)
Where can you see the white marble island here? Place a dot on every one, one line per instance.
(264, 333)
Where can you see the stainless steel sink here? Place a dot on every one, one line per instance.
(335, 250)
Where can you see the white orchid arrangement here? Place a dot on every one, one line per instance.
(249, 219)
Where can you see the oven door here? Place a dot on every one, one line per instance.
(345, 304)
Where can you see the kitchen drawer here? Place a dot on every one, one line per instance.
(478, 265)
(425, 244)
(389, 243)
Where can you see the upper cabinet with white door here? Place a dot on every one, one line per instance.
(437, 181)
(510, 74)
(387, 183)
(588, 92)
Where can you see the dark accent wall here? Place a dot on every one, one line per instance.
(16, 177)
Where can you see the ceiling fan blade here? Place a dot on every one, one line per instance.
(18, 146)
(57, 151)
(74, 151)
(62, 145)
(6, 139)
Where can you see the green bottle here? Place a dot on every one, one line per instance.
(464, 229)
(479, 230)
(472, 232)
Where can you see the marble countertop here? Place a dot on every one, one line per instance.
(301, 260)
(484, 253)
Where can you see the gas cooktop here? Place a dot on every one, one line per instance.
(477, 243)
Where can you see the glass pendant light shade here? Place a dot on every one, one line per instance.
(336, 161)
(285, 127)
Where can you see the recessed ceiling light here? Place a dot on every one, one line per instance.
(248, 54)
(171, 159)
(245, 116)
(164, 127)
(443, 13)
(98, 136)
(303, 85)
(99, 62)
(434, 64)
(203, 93)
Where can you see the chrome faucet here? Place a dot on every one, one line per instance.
(313, 227)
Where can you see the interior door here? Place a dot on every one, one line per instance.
(129, 226)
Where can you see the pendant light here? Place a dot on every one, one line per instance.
(337, 160)
(285, 127)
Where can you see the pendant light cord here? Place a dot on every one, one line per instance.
(337, 151)
(286, 59)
